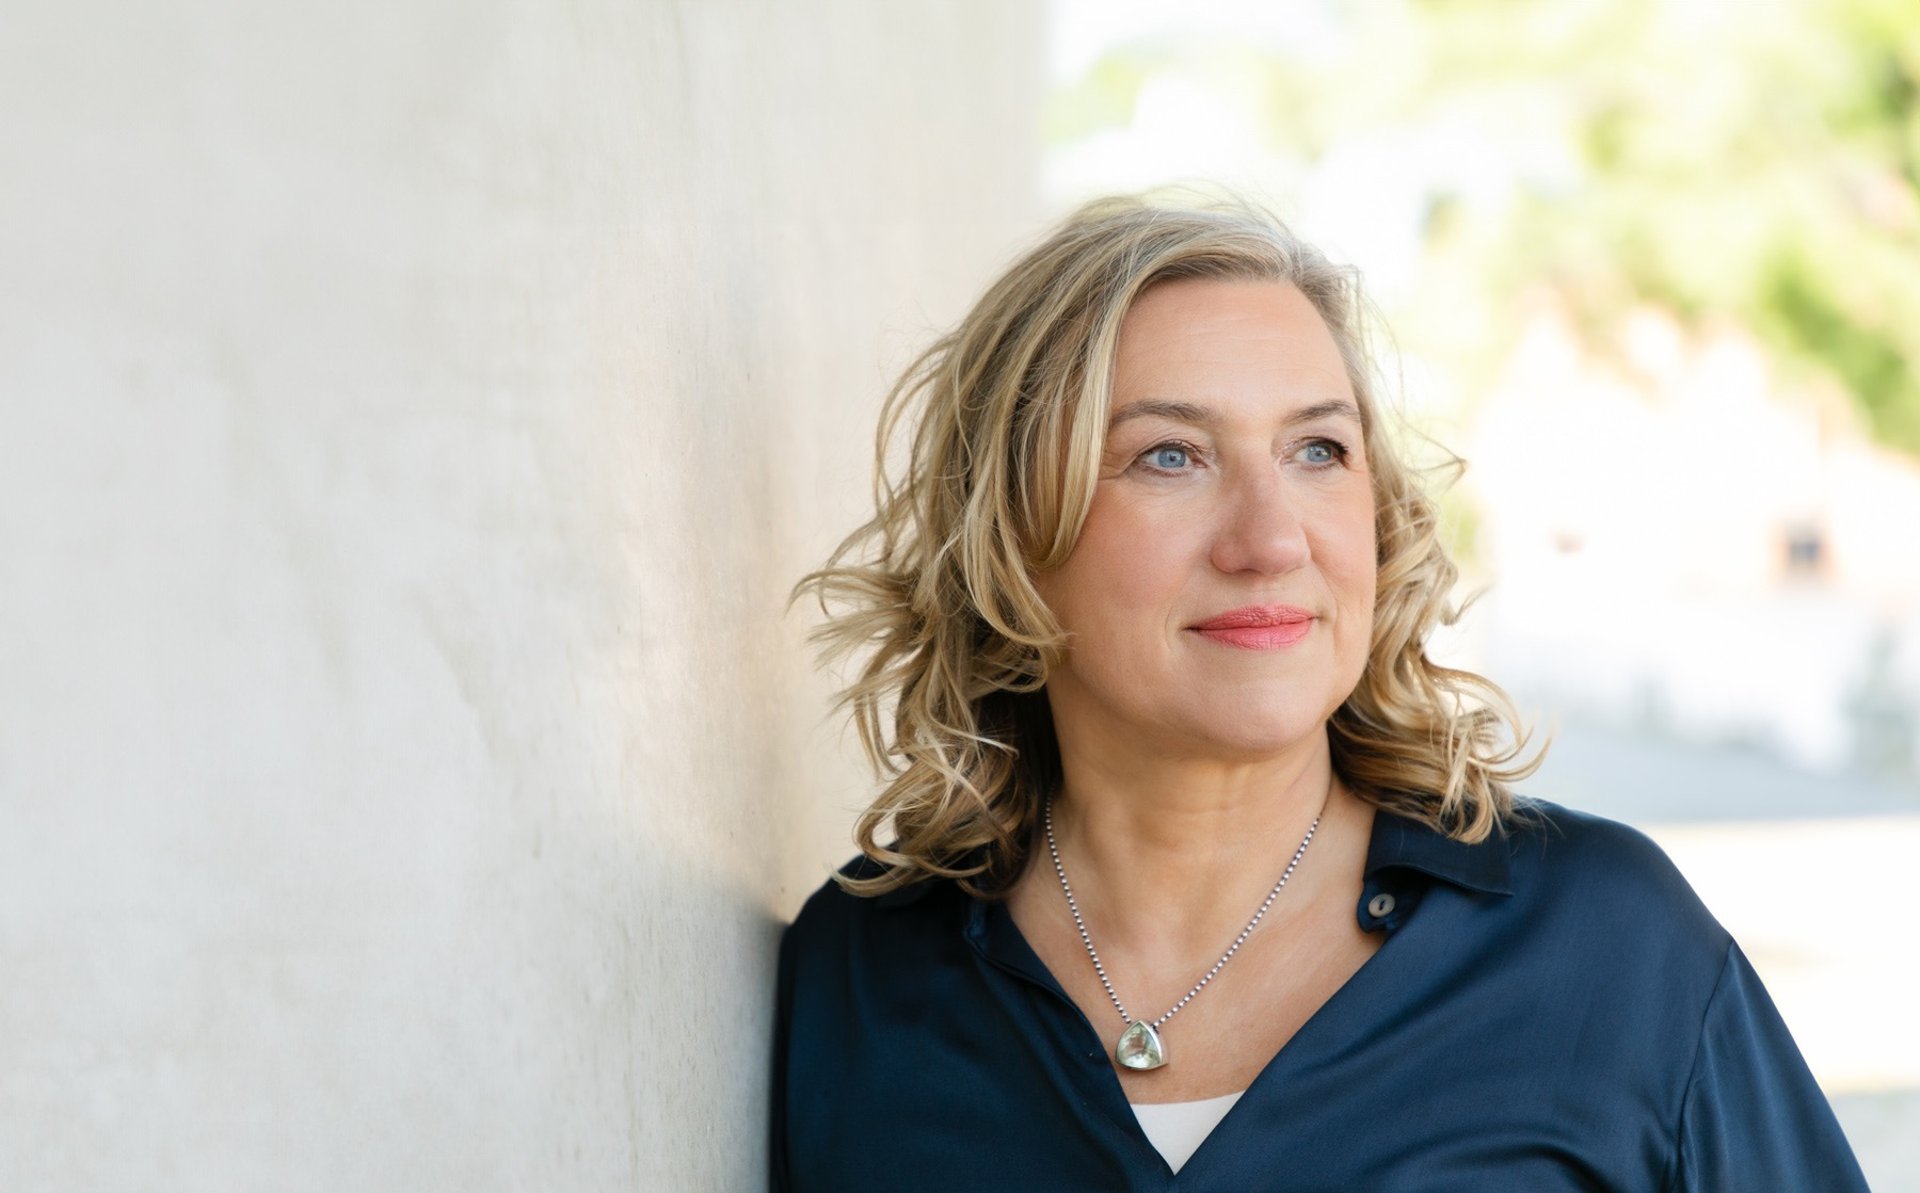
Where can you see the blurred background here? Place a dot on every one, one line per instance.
(413, 415)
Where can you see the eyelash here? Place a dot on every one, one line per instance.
(1339, 450)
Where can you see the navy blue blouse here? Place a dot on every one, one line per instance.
(1551, 1010)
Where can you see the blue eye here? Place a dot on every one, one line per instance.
(1169, 457)
(1323, 452)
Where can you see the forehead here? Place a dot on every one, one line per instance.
(1238, 347)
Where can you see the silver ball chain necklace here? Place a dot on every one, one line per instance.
(1139, 1046)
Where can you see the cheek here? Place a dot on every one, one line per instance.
(1363, 580)
(1123, 568)
(1349, 559)
(1346, 548)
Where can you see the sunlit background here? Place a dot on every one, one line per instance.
(1652, 270)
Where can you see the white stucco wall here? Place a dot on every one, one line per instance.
(411, 419)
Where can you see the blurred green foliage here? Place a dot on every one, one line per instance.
(1753, 163)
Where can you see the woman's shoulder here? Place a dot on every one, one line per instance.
(834, 918)
(1578, 863)
(1576, 834)
(1570, 836)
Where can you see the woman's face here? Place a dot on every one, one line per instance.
(1219, 601)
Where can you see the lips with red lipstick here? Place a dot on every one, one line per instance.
(1257, 627)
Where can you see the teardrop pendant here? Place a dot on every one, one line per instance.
(1140, 1047)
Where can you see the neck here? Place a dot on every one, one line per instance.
(1167, 856)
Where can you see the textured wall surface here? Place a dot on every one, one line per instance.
(411, 418)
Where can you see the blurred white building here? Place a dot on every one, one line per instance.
(1682, 543)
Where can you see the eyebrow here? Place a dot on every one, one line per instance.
(1187, 412)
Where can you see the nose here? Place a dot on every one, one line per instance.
(1260, 529)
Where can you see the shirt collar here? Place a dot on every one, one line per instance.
(1400, 843)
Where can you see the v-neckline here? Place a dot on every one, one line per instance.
(998, 938)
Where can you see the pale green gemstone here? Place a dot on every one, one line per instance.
(1139, 1047)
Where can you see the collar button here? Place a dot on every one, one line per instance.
(1380, 906)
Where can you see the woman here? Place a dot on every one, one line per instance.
(1203, 875)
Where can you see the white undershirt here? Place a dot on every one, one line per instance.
(1177, 1129)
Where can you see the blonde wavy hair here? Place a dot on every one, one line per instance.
(1004, 420)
